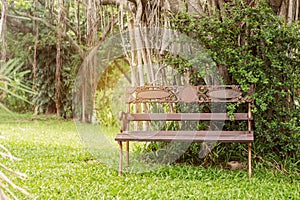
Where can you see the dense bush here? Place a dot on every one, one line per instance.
(43, 80)
(253, 46)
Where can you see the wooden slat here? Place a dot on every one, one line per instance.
(187, 136)
(185, 116)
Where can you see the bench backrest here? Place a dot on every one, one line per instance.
(145, 102)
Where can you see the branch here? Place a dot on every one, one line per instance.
(138, 16)
(17, 174)
(116, 2)
(122, 71)
(53, 28)
(7, 153)
(105, 32)
(108, 28)
(67, 20)
(17, 25)
(7, 180)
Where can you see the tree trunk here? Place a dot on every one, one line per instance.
(3, 30)
(36, 42)
(58, 57)
(90, 67)
(288, 9)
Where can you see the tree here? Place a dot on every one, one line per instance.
(74, 28)
(60, 28)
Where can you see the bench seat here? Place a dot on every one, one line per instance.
(186, 116)
(187, 136)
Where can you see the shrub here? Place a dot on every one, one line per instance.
(256, 47)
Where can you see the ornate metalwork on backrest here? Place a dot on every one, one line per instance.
(225, 93)
(148, 94)
(187, 94)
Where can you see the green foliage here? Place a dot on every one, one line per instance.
(103, 105)
(45, 77)
(44, 80)
(13, 90)
(109, 90)
(259, 49)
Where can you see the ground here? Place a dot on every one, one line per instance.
(59, 167)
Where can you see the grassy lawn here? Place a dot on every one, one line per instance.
(59, 167)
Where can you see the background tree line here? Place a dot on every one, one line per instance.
(52, 38)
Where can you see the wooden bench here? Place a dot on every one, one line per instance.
(143, 101)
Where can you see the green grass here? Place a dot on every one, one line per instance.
(59, 167)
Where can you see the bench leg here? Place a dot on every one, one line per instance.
(127, 153)
(249, 160)
(121, 158)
